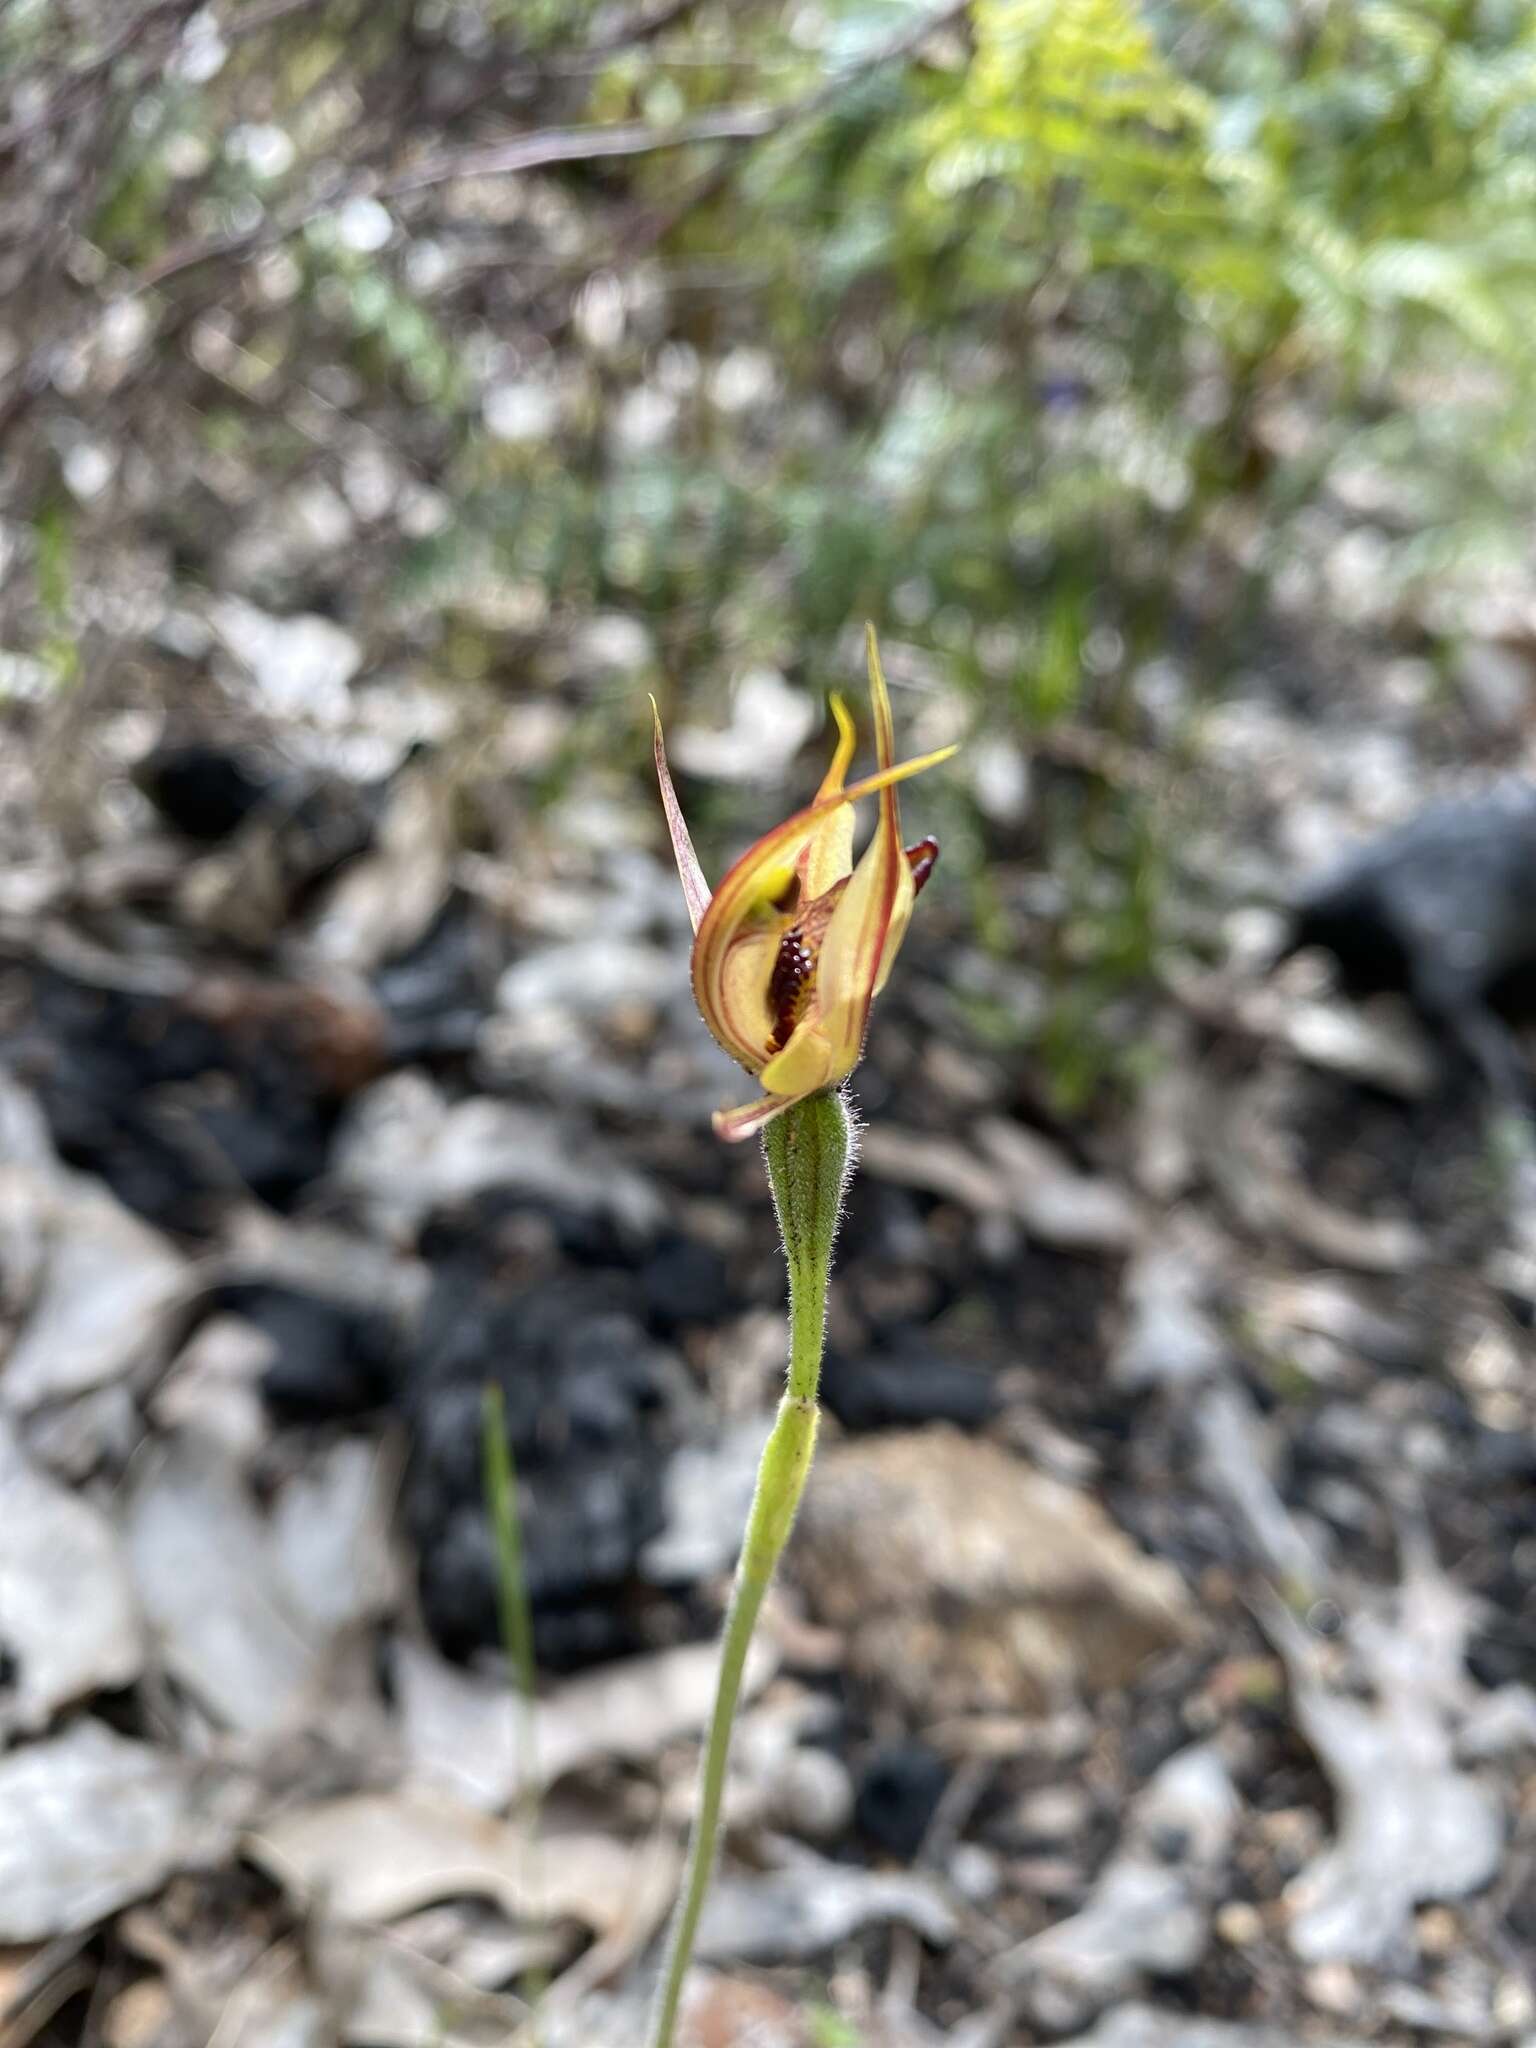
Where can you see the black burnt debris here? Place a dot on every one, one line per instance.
(182, 1102)
(590, 1400)
(1442, 909)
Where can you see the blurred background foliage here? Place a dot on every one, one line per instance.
(1094, 348)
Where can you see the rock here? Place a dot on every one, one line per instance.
(965, 1578)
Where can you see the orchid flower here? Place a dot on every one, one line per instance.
(791, 950)
(789, 954)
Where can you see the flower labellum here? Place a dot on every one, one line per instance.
(791, 950)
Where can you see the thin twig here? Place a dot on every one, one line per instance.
(639, 28)
(115, 48)
(548, 146)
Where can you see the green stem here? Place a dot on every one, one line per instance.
(809, 1154)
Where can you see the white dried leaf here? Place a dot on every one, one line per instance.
(466, 1733)
(222, 1619)
(67, 1611)
(374, 1856)
(812, 1905)
(91, 1822)
(99, 1290)
(330, 1541)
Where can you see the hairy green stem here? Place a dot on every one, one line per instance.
(809, 1153)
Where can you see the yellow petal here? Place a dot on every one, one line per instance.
(804, 1064)
(885, 732)
(746, 896)
(691, 875)
(851, 953)
(832, 781)
(875, 906)
(828, 854)
(745, 1024)
(896, 930)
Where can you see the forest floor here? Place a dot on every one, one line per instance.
(1154, 1661)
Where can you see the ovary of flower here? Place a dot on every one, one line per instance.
(793, 947)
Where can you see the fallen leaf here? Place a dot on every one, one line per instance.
(404, 1150)
(1235, 1455)
(939, 1166)
(1149, 1911)
(1412, 1826)
(769, 721)
(1142, 2026)
(1056, 1204)
(1170, 1337)
(222, 1620)
(724, 2012)
(67, 1611)
(383, 902)
(98, 1299)
(330, 1539)
(374, 1856)
(810, 1906)
(707, 1493)
(92, 1821)
(467, 1733)
(301, 665)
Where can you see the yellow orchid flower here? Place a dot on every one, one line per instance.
(793, 947)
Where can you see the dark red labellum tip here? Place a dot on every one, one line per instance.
(920, 860)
